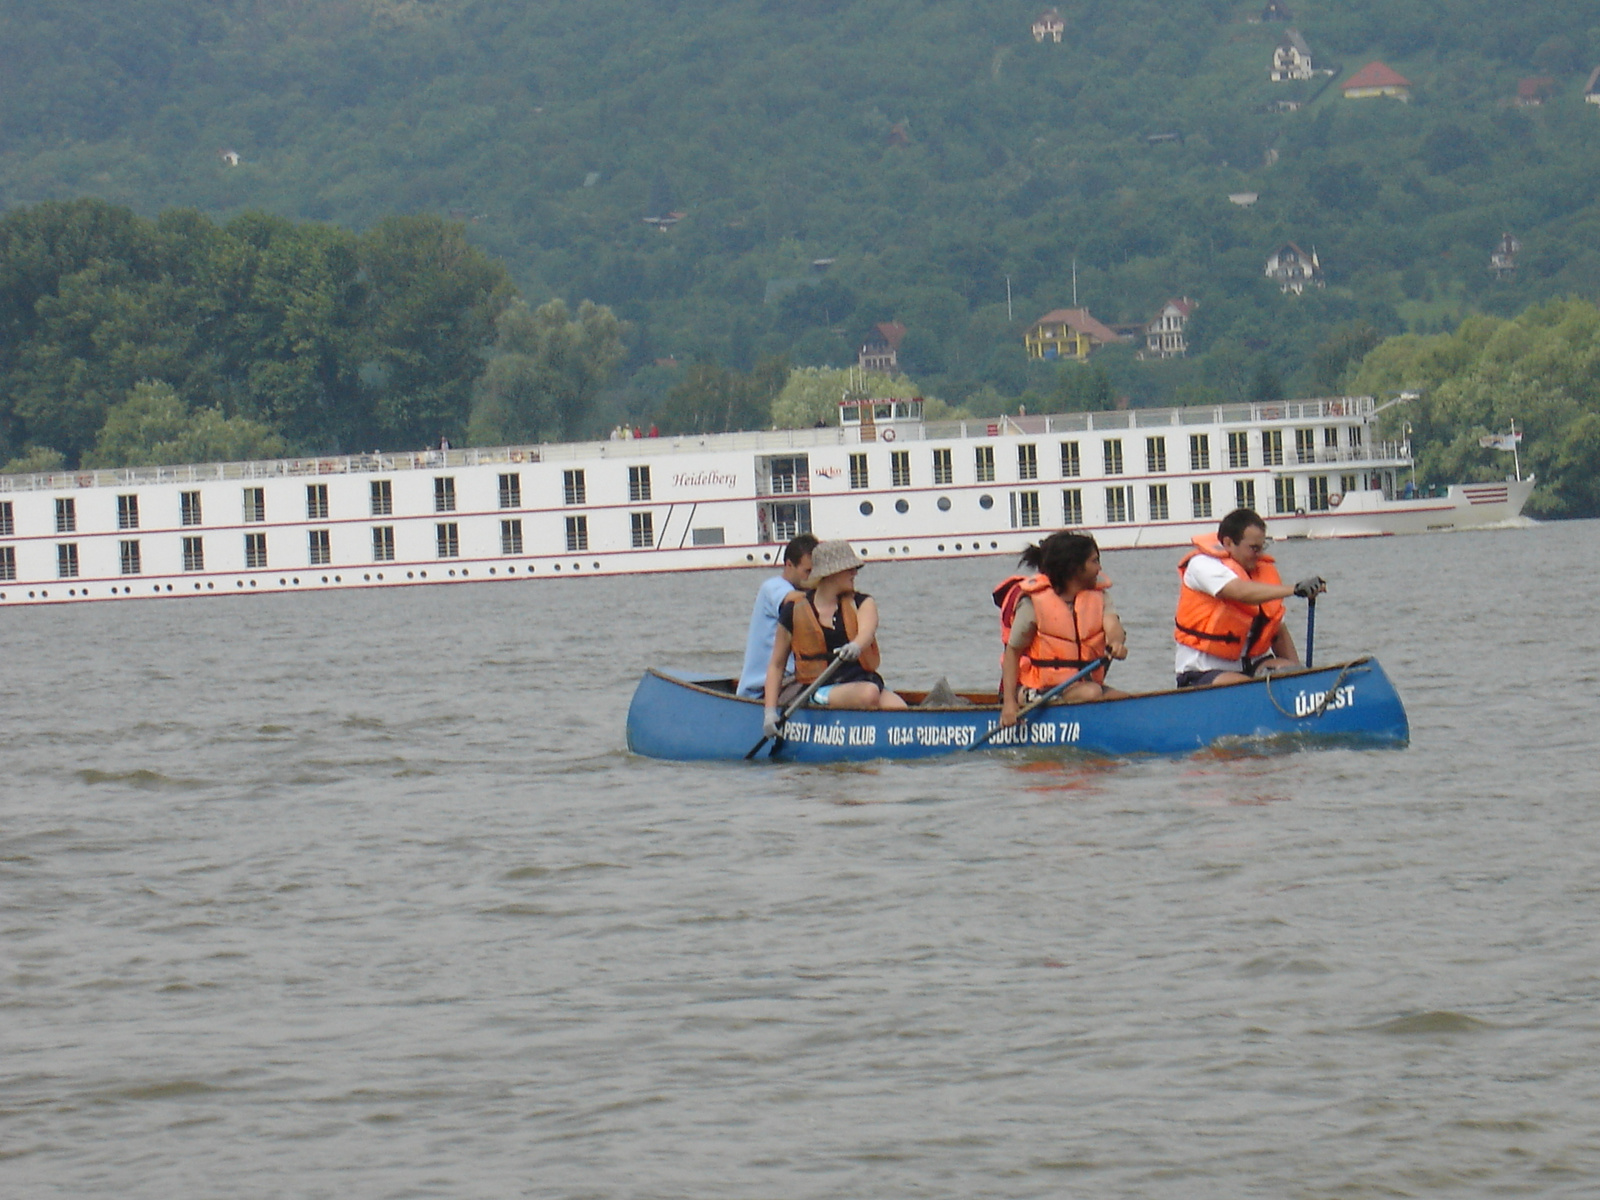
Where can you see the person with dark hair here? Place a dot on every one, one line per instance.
(764, 617)
(829, 619)
(1229, 623)
(1061, 623)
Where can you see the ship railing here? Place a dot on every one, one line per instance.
(1286, 412)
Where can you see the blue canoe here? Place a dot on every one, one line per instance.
(686, 716)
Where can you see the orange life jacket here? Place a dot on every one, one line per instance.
(1069, 636)
(1226, 628)
(811, 653)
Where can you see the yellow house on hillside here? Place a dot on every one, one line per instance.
(1066, 333)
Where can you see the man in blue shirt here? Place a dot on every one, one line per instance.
(764, 618)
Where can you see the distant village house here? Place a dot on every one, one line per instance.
(1503, 259)
(1293, 269)
(230, 158)
(1376, 79)
(1292, 58)
(1067, 333)
(1049, 25)
(1591, 90)
(1163, 337)
(880, 351)
(1533, 92)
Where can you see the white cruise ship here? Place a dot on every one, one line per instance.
(896, 486)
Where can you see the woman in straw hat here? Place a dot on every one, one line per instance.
(830, 617)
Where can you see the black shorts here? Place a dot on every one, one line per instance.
(1191, 679)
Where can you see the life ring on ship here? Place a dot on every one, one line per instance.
(887, 435)
(516, 456)
(1335, 499)
(85, 480)
(325, 467)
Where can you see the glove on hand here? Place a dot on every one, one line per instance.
(1307, 588)
(849, 652)
(769, 727)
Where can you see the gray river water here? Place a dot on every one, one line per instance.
(360, 895)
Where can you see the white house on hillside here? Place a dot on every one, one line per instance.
(1294, 269)
(1292, 58)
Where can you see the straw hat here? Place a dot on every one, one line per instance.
(829, 558)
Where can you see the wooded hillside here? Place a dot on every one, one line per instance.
(838, 163)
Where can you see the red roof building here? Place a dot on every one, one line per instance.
(1376, 79)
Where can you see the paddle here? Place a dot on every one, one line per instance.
(1311, 627)
(799, 701)
(1045, 698)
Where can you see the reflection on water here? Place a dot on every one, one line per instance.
(360, 894)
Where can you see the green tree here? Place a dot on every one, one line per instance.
(152, 427)
(811, 394)
(432, 303)
(546, 369)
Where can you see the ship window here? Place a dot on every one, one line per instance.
(444, 493)
(1027, 461)
(128, 558)
(577, 530)
(638, 485)
(1317, 493)
(1272, 447)
(447, 538)
(1024, 510)
(1119, 505)
(189, 508)
(983, 460)
(1199, 452)
(511, 491)
(642, 525)
(900, 468)
(1348, 484)
(574, 490)
(866, 508)
(1071, 463)
(1354, 437)
(1200, 500)
(1112, 450)
(66, 515)
(1244, 493)
(194, 554)
(383, 543)
(319, 547)
(127, 512)
(711, 535)
(382, 497)
(944, 503)
(67, 560)
(1238, 451)
(255, 504)
(255, 551)
(943, 469)
(902, 506)
(316, 502)
(1330, 437)
(1158, 502)
(1072, 506)
(858, 471)
(986, 502)
(511, 537)
(7, 528)
(1305, 445)
(1283, 494)
(8, 562)
(1155, 455)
